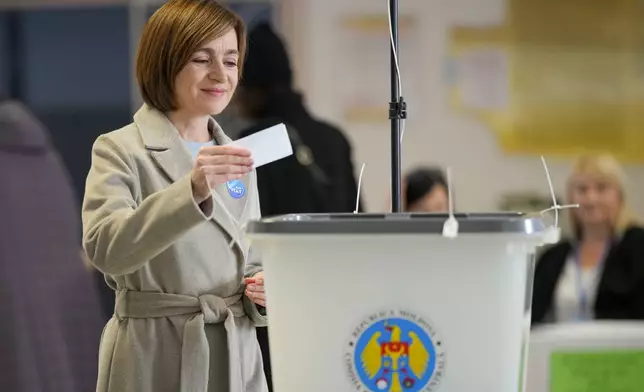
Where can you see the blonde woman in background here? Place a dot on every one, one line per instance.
(599, 272)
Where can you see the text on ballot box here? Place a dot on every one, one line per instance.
(370, 302)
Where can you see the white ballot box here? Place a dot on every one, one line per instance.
(369, 302)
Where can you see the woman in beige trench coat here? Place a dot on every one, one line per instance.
(165, 225)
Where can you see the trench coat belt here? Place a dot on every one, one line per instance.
(195, 353)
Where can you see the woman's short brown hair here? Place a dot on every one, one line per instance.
(170, 38)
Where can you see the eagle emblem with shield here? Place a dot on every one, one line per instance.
(395, 355)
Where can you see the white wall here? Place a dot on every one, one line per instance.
(434, 134)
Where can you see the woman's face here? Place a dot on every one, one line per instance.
(434, 201)
(599, 199)
(206, 84)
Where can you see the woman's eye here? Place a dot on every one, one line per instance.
(231, 63)
(200, 61)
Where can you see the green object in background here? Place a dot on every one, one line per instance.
(597, 371)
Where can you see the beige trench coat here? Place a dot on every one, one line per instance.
(181, 322)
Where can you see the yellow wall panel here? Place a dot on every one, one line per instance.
(575, 71)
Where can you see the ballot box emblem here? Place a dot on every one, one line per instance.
(395, 350)
(236, 189)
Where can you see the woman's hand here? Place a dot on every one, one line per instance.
(217, 165)
(255, 289)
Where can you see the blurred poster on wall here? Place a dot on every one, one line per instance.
(574, 72)
(484, 79)
(366, 49)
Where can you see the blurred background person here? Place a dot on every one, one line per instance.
(52, 321)
(599, 272)
(425, 190)
(320, 176)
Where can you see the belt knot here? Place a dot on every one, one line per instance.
(213, 308)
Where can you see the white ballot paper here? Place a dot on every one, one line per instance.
(268, 145)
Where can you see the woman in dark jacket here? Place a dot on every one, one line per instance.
(425, 190)
(319, 177)
(599, 273)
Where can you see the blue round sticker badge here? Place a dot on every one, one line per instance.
(236, 189)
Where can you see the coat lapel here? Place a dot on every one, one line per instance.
(163, 142)
(167, 149)
(222, 212)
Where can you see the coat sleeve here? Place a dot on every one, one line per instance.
(253, 262)
(254, 311)
(121, 235)
(253, 266)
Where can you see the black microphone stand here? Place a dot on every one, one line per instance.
(397, 113)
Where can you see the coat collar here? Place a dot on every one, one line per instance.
(158, 133)
(161, 138)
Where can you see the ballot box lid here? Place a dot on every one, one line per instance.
(397, 223)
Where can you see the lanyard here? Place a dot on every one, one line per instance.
(584, 306)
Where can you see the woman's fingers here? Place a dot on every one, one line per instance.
(225, 150)
(216, 179)
(226, 169)
(220, 164)
(223, 175)
(216, 160)
(256, 288)
(257, 297)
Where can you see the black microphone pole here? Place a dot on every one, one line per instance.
(397, 112)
